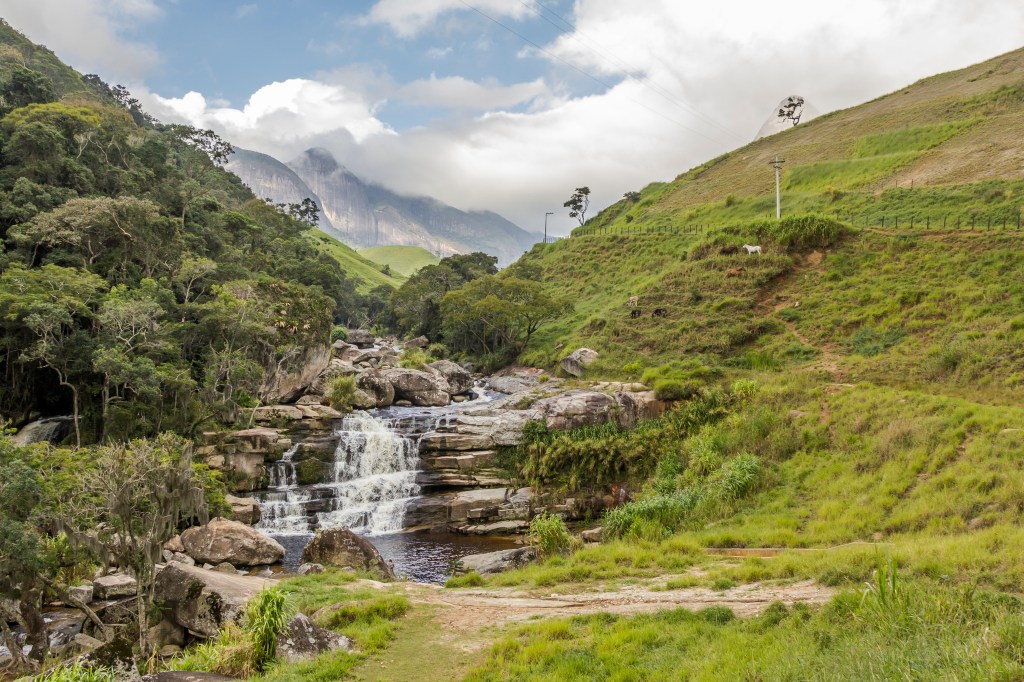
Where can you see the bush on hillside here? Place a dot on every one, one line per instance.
(800, 233)
(341, 393)
(549, 535)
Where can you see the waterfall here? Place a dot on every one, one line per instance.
(47, 430)
(370, 480)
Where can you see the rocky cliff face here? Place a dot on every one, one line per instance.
(268, 178)
(361, 214)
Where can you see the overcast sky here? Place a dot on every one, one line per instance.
(509, 105)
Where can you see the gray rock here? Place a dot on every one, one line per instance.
(303, 639)
(309, 569)
(283, 387)
(115, 586)
(82, 593)
(418, 342)
(244, 509)
(361, 338)
(225, 567)
(224, 540)
(477, 504)
(497, 562)
(510, 385)
(204, 601)
(418, 387)
(459, 380)
(576, 362)
(342, 548)
(378, 386)
(166, 632)
(266, 414)
(592, 535)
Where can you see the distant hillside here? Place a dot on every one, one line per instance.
(405, 260)
(365, 272)
(17, 50)
(268, 178)
(947, 145)
(369, 215)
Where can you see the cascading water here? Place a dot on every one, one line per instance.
(371, 480)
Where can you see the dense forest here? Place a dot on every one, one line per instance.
(142, 287)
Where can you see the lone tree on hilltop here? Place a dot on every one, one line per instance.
(578, 204)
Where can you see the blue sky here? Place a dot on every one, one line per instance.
(429, 97)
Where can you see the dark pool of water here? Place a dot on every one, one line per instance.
(423, 557)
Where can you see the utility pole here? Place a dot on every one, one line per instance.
(777, 165)
(546, 225)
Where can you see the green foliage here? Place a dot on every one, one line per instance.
(549, 535)
(801, 233)
(339, 333)
(413, 358)
(80, 671)
(471, 579)
(266, 616)
(904, 140)
(946, 635)
(416, 305)
(870, 341)
(341, 392)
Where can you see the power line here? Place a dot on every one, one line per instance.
(631, 70)
(589, 75)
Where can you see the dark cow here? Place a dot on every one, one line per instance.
(635, 313)
(729, 250)
(660, 312)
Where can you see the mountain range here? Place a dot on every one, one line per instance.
(363, 214)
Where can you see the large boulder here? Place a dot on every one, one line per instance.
(573, 409)
(244, 509)
(477, 504)
(342, 548)
(576, 362)
(224, 540)
(419, 388)
(286, 386)
(375, 384)
(303, 639)
(114, 586)
(459, 380)
(204, 601)
(510, 385)
(496, 562)
(361, 338)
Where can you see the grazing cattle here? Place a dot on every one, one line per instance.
(733, 272)
(633, 301)
(633, 314)
(749, 248)
(660, 312)
(729, 250)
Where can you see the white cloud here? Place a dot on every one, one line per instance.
(89, 34)
(243, 11)
(439, 52)
(409, 17)
(455, 92)
(280, 118)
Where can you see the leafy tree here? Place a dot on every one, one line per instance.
(631, 197)
(578, 204)
(132, 501)
(24, 86)
(498, 313)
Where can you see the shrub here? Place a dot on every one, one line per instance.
(438, 351)
(798, 233)
(730, 200)
(266, 616)
(412, 358)
(549, 534)
(339, 334)
(871, 341)
(471, 579)
(80, 671)
(675, 389)
(341, 392)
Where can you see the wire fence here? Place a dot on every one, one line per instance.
(964, 222)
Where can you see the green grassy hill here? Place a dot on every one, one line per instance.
(855, 399)
(366, 272)
(948, 145)
(405, 260)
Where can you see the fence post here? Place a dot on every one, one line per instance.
(944, 222)
(928, 223)
(912, 222)
(897, 222)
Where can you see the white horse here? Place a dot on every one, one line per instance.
(752, 249)
(633, 301)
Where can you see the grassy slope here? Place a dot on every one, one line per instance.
(891, 378)
(405, 260)
(365, 272)
(958, 128)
